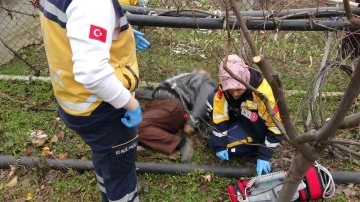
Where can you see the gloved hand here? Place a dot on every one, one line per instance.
(223, 155)
(261, 166)
(132, 117)
(141, 42)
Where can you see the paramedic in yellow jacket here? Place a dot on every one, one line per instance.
(240, 117)
(134, 2)
(91, 51)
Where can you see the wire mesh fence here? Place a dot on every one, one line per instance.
(19, 28)
(175, 50)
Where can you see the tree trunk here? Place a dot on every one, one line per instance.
(295, 175)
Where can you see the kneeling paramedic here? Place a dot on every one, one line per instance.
(241, 124)
(91, 52)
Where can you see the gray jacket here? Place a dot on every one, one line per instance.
(192, 89)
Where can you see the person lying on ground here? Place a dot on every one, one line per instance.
(185, 94)
(162, 119)
(192, 89)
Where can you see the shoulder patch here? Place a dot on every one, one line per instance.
(276, 109)
(219, 94)
(97, 33)
(254, 116)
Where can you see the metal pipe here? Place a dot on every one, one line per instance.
(322, 12)
(218, 23)
(341, 177)
(142, 167)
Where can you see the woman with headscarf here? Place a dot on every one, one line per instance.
(241, 123)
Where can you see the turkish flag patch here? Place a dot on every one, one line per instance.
(219, 94)
(97, 33)
(254, 116)
(276, 110)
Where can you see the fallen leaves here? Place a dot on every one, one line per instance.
(207, 178)
(61, 135)
(54, 139)
(29, 196)
(46, 152)
(12, 183)
(173, 156)
(38, 137)
(27, 151)
(13, 169)
(40, 143)
(63, 155)
(347, 192)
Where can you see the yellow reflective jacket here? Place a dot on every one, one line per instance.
(128, 2)
(221, 113)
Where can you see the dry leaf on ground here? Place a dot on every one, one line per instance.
(207, 178)
(54, 139)
(12, 182)
(63, 155)
(46, 152)
(173, 156)
(29, 196)
(61, 135)
(37, 136)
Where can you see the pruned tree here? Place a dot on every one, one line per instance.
(310, 145)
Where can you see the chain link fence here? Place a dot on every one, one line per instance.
(19, 28)
(174, 50)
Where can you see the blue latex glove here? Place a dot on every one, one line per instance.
(223, 155)
(261, 166)
(132, 117)
(141, 42)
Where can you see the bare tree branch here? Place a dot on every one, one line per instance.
(350, 121)
(334, 151)
(351, 92)
(258, 93)
(306, 154)
(343, 142)
(349, 14)
(262, 62)
(346, 150)
(306, 137)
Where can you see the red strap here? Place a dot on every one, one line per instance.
(313, 184)
(304, 196)
(232, 193)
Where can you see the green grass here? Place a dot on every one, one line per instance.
(34, 55)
